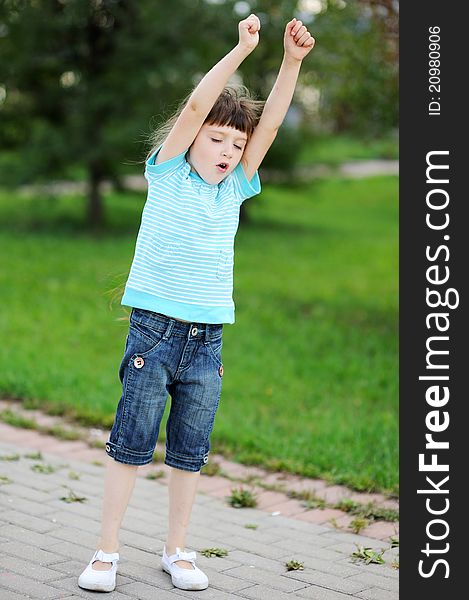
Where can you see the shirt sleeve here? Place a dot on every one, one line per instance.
(162, 170)
(243, 188)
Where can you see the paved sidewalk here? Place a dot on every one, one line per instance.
(46, 542)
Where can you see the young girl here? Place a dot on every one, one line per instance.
(203, 166)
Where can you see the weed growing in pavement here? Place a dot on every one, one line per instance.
(242, 498)
(211, 552)
(43, 468)
(155, 474)
(10, 457)
(294, 565)
(34, 455)
(72, 497)
(368, 555)
(368, 511)
(358, 524)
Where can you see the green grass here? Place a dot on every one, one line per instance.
(333, 150)
(310, 383)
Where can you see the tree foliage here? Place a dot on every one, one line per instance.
(82, 82)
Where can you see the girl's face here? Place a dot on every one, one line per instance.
(216, 151)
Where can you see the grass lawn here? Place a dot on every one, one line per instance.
(339, 148)
(311, 380)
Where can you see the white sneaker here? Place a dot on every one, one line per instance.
(184, 579)
(100, 581)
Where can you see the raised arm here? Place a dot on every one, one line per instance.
(205, 94)
(298, 42)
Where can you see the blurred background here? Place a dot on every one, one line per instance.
(311, 373)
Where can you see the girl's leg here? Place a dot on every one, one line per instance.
(118, 486)
(182, 489)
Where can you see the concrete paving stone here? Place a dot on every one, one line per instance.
(70, 585)
(315, 552)
(305, 528)
(382, 530)
(31, 587)
(29, 552)
(72, 534)
(226, 581)
(135, 555)
(328, 581)
(151, 575)
(265, 499)
(353, 537)
(363, 498)
(340, 569)
(10, 595)
(86, 454)
(375, 580)
(382, 570)
(41, 525)
(90, 508)
(63, 517)
(210, 484)
(27, 568)
(262, 592)
(18, 490)
(222, 493)
(318, 515)
(145, 542)
(315, 592)
(303, 543)
(216, 563)
(197, 542)
(11, 532)
(267, 578)
(257, 535)
(251, 560)
(335, 493)
(288, 508)
(25, 506)
(211, 593)
(346, 548)
(67, 550)
(378, 594)
(144, 591)
(152, 530)
(267, 550)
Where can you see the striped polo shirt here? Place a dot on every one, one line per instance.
(184, 254)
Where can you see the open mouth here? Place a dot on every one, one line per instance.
(222, 167)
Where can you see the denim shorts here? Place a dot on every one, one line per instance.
(164, 356)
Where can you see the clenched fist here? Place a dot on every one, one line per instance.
(249, 32)
(297, 41)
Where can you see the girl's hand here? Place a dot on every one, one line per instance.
(297, 41)
(249, 32)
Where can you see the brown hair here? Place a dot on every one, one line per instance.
(234, 107)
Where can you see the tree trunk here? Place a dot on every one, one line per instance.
(95, 213)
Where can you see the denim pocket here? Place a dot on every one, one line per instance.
(214, 348)
(225, 264)
(143, 340)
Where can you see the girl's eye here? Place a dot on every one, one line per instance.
(214, 140)
(239, 147)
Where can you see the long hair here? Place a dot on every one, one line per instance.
(234, 107)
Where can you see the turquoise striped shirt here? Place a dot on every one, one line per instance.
(184, 254)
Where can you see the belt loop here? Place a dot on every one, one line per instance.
(169, 329)
(207, 332)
